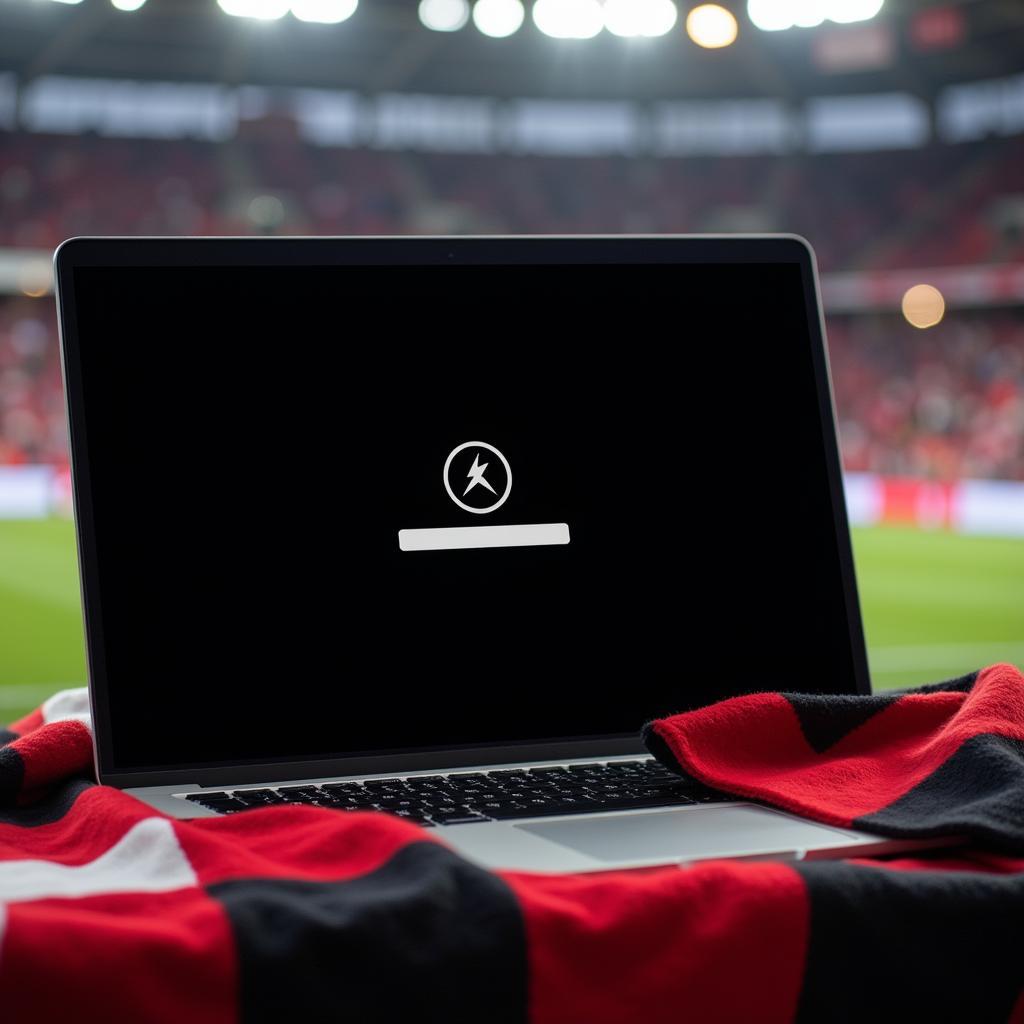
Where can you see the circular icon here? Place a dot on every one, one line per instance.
(471, 474)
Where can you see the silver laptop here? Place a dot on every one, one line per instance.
(433, 526)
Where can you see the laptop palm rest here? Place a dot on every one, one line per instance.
(689, 833)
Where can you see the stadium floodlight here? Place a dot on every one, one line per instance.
(775, 15)
(846, 11)
(324, 12)
(711, 26)
(444, 15)
(498, 18)
(569, 19)
(127, 5)
(645, 18)
(772, 15)
(261, 10)
(808, 13)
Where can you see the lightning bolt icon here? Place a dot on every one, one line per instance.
(476, 476)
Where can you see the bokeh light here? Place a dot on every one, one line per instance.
(261, 10)
(266, 211)
(324, 12)
(645, 18)
(444, 15)
(498, 18)
(35, 278)
(845, 11)
(776, 15)
(569, 19)
(923, 305)
(711, 26)
(771, 15)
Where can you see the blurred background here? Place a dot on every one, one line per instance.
(890, 133)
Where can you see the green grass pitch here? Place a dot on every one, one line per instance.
(935, 605)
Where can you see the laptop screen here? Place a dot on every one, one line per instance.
(349, 511)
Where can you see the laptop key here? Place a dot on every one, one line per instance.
(409, 815)
(636, 802)
(541, 811)
(260, 801)
(226, 806)
(509, 811)
(459, 817)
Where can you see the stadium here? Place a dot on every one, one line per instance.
(893, 140)
(893, 143)
(314, 707)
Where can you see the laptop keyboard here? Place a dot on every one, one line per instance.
(463, 798)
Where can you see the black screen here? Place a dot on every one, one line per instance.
(258, 437)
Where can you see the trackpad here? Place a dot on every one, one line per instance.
(685, 833)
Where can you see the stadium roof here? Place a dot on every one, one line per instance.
(384, 47)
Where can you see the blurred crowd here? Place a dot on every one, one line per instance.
(861, 211)
(31, 400)
(945, 403)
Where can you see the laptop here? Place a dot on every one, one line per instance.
(433, 526)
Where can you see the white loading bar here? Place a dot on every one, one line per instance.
(456, 538)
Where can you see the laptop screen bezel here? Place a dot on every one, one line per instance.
(387, 251)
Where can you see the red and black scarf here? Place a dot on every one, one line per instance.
(111, 912)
